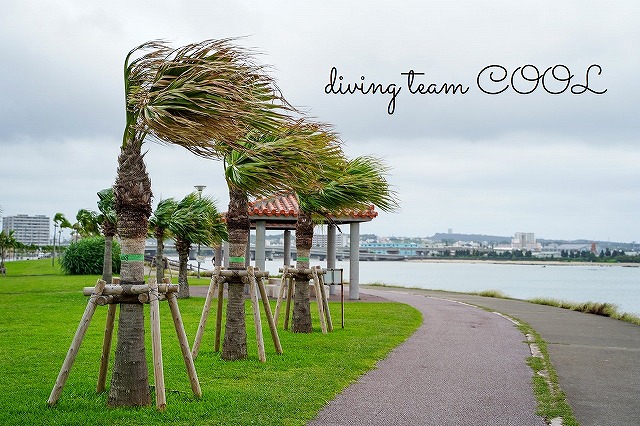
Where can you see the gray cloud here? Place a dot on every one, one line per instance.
(558, 165)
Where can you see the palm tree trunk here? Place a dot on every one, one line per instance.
(159, 234)
(301, 309)
(109, 230)
(132, 189)
(182, 247)
(234, 345)
(107, 263)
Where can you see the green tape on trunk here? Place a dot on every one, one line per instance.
(131, 257)
(303, 259)
(236, 259)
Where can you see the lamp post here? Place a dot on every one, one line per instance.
(198, 258)
(53, 257)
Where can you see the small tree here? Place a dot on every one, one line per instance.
(194, 221)
(354, 184)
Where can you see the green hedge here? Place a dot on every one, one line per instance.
(85, 257)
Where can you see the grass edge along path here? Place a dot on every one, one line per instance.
(40, 309)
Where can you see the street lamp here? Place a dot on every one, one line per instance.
(198, 258)
(53, 257)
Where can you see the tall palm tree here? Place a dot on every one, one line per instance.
(200, 96)
(194, 221)
(265, 163)
(108, 221)
(159, 227)
(354, 184)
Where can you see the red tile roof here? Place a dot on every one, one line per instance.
(286, 206)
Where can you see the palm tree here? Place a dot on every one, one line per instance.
(200, 96)
(158, 226)
(195, 220)
(265, 163)
(7, 241)
(87, 223)
(355, 184)
(107, 220)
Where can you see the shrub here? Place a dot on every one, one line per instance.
(85, 257)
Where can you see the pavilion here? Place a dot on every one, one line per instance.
(280, 212)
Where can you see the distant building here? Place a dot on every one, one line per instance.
(320, 240)
(28, 229)
(525, 241)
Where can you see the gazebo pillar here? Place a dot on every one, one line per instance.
(287, 247)
(354, 261)
(331, 246)
(331, 252)
(261, 233)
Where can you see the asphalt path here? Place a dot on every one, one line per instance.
(463, 366)
(597, 358)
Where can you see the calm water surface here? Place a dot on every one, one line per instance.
(614, 284)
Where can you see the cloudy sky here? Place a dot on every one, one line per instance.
(563, 165)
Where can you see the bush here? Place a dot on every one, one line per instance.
(86, 257)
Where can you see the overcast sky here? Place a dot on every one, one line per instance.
(561, 165)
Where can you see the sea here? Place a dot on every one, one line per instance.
(616, 284)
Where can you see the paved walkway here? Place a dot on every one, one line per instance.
(597, 360)
(463, 366)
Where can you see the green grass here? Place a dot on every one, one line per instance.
(552, 401)
(596, 308)
(40, 310)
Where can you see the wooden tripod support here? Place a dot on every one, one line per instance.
(112, 294)
(289, 275)
(254, 278)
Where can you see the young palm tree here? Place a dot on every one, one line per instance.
(355, 184)
(194, 221)
(263, 164)
(158, 226)
(200, 96)
(107, 219)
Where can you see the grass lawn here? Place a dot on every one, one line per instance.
(40, 309)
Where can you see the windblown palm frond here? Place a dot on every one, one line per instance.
(356, 184)
(107, 207)
(87, 223)
(199, 96)
(292, 157)
(161, 217)
(196, 220)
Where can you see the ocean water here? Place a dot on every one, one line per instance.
(575, 283)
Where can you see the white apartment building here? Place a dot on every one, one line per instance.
(320, 240)
(525, 241)
(29, 229)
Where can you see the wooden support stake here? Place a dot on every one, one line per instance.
(290, 289)
(283, 285)
(184, 344)
(156, 345)
(216, 344)
(106, 348)
(316, 286)
(256, 314)
(204, 317)
(325, 300)
(267, 311)
(75, 344)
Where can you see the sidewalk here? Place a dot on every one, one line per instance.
(597, 358)
(463, 366)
